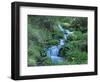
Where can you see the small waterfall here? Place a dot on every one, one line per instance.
(62, 42)
(53, 51)
(60, 27)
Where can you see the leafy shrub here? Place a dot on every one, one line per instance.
(77, 57)
(78, 35)
(32, 62)
(47, 61)
(53, 42)
(57, 35)
(63, 51)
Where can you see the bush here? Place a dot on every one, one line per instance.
(53, 42)
(78, 57)
(57, 35)
(78, 35)
(32, 62)
(47, 61)
(63, 51)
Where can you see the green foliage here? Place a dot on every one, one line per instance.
(47, 61)
(77, 57)
(31, 62)
(53, 42)
(43, 32)
(63, 51)
(57, 35)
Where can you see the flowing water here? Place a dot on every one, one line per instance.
(53, 51)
